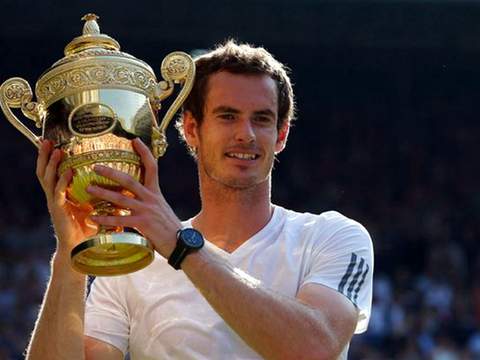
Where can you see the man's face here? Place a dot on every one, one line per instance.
(238, 137)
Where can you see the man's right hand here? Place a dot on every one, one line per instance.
(68, 219)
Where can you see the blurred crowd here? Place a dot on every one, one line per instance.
(411, 182)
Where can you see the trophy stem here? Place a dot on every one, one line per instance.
(106, 208)
(112, 251)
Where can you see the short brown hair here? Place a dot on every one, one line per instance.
(239, 59)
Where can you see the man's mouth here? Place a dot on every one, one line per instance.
(242, 156)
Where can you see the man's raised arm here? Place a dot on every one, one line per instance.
(58, 332)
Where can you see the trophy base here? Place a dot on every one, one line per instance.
(108, 254)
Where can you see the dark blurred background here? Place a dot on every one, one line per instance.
(387, 133)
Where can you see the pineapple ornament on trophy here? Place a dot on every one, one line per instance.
(91, 104)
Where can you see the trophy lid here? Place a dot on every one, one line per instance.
(91, 38)
(94, 60)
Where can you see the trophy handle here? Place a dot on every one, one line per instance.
(16, 93)
(177, 68)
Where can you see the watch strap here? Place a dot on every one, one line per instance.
(176, 257)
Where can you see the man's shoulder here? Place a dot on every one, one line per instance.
(325, 226)
(330, 218)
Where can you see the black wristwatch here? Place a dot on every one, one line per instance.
(188, 240)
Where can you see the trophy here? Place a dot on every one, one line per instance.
(91, 104)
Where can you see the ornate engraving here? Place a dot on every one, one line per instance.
(159, 143)
(58, 85)
(97, 75)
(77, 78)
(34, 111)
(16, 91)
(103, 156)
(176, 66)
(94, 52)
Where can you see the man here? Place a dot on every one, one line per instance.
(269, 282)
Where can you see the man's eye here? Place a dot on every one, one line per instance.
(227, 116)
(263, 119)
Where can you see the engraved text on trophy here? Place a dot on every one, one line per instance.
(91, 120)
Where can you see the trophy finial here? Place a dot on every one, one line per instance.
(91, 38)
(91, 26)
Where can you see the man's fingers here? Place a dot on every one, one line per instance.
(149, 162)
(123, 179)
(114, 197)
(61, 187)
(125, 221)
(42, 159)
(50, 176)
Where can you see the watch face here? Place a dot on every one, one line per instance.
(192, 238)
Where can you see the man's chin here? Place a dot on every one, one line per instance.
(237, 183)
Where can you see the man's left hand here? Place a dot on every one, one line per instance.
(150, 213)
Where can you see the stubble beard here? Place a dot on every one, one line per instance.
(232, 183)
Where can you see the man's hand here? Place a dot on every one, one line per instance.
(68, 219)
(150, 213)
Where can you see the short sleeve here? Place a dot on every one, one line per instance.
(106, 316)
(342, 259)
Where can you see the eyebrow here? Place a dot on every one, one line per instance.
(225, 109)
(228, 109)
(266, 112)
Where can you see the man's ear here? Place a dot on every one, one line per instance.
(190, 129)
(282, 137)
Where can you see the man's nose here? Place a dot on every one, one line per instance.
(245, 132)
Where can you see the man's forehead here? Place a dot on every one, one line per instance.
(241, 88)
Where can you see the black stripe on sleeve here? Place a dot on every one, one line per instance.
(357, 290)
(90, 280)
(343, 282)
(355, 278)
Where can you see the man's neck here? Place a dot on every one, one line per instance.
(229, 216)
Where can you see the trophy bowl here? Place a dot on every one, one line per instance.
(91, 104)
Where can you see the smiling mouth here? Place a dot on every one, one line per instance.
(242, 156)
